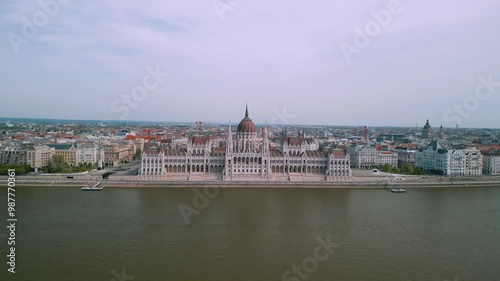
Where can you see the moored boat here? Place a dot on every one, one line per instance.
(398, 190)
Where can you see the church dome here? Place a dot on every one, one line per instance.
(427, 125)
(246, 125)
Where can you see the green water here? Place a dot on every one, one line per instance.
(65, 234)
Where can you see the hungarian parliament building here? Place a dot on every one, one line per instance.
(246, 157)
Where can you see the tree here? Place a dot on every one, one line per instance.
(19, 169)
(386, 168)
(407, 169)
(57, 165)
(138, 153)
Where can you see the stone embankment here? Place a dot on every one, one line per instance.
(357, 182)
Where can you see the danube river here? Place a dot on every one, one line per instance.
(139, 234)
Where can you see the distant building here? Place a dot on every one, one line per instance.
(363, 156)
(473, 162)
(67, 151)
(387, 157)
(89, 153)
(39, 156)
(405, 155)
(427, 131)
(450, 162)
(441, 132)
(491, 163)
(367, 156)
(115, 154)
(13, 155)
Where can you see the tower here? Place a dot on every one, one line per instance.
(441, 132)
(229, 144)
(229, 154)
(427, 131)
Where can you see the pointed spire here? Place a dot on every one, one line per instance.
(229, 144)
(246, 110)
(265, 147)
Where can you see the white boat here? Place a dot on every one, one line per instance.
(398, 190)
(95, 187)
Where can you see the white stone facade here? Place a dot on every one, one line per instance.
(450, 162)
(368, 156)
(246, 157)
(473, 162)
(89, 153)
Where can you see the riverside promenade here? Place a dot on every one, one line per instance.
(358, 182)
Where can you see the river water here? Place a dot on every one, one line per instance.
(139, 234)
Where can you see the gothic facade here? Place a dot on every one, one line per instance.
(247, 156)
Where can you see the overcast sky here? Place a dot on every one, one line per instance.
(287, 59)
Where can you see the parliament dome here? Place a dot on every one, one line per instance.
(246, 125)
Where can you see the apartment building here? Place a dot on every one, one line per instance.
(367, 156)
(450, 161)
(89, 153)
(114, 154)
(39, 156)
(473, 162)
(67, 151)
(491, 163)
(13, 154)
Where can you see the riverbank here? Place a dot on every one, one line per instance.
(191, 184)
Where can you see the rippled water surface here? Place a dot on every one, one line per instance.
(254, 234)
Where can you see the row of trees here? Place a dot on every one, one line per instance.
(58, 165)
(408, 169)
(19, 169)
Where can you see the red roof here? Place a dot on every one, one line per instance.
(200, 139)
(338, 153)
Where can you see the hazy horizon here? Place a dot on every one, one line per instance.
(222, 123)
(376, 63)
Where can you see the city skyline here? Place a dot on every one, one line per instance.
(201, 62)
(279, 123)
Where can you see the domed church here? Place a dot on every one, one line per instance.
(247, 157)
